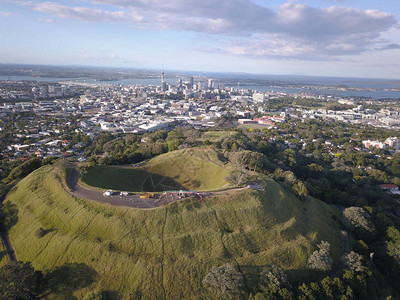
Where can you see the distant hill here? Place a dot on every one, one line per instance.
(164, 252)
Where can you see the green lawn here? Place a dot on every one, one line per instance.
(253, 126)
(165, 252)
(189, 169)
(216, 136)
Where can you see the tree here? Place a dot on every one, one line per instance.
(24, 169)
(274, 284)
(320, 259)
(355, 262)
(224, 282)
(19, 280)
(8, 214)
(247, 159)
(393, 244)
(236, 177)
(102, 295)
(358, 217)
(289, 178)
(300, 190)
(274, 278)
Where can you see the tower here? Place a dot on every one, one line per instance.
(163, 83)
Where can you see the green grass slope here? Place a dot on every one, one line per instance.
(165, 252)
(200, 169)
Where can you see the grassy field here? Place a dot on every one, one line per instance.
(216, 136)
(164, 253)
(253, 126)
(200, 169)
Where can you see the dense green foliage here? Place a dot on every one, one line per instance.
(321, 259)
(24, 169)
(20, 281)
(224, 282)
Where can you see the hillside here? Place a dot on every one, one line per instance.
(200, 169)
(165, 252)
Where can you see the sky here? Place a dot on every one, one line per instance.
(344, 38)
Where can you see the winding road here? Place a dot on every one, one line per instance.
(5, 239)
(79, 191)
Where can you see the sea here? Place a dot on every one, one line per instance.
(265, 83)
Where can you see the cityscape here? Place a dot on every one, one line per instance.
(143, 109)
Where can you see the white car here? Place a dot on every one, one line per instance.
(108, 193)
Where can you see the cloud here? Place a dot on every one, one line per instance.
(84, 13)
(102, 57)
(293, 30)
(389, 47)
(50, 21)
(6, 14)
(18, 2)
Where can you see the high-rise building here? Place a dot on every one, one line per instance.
(210, 84)
(191, 82)
(199, 85)
(163, 83)
(179, 83)
(164, 86)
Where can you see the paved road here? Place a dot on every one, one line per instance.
(5, 239)
(76, 190)
(79, 191)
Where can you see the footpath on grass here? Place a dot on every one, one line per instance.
(5, 239)
(132, 200)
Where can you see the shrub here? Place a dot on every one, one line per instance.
(224, 282)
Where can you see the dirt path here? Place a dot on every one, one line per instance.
(5, 239)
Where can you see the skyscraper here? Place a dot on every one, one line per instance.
(191, 82)
(210, 84)
(163, 83)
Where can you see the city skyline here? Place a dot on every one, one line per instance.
(342, 38)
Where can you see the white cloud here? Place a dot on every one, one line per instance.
(6, 14)
(295, 30)
(18, 2)
(99, 57)
(85, 13)
(50, 21)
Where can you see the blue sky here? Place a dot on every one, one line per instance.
(311, 37)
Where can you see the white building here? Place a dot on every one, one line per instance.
(259, 98)
(393, 142)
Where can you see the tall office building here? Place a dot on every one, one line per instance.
(163, 83)
(199, 86)
(191, 82)
(210, 84)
